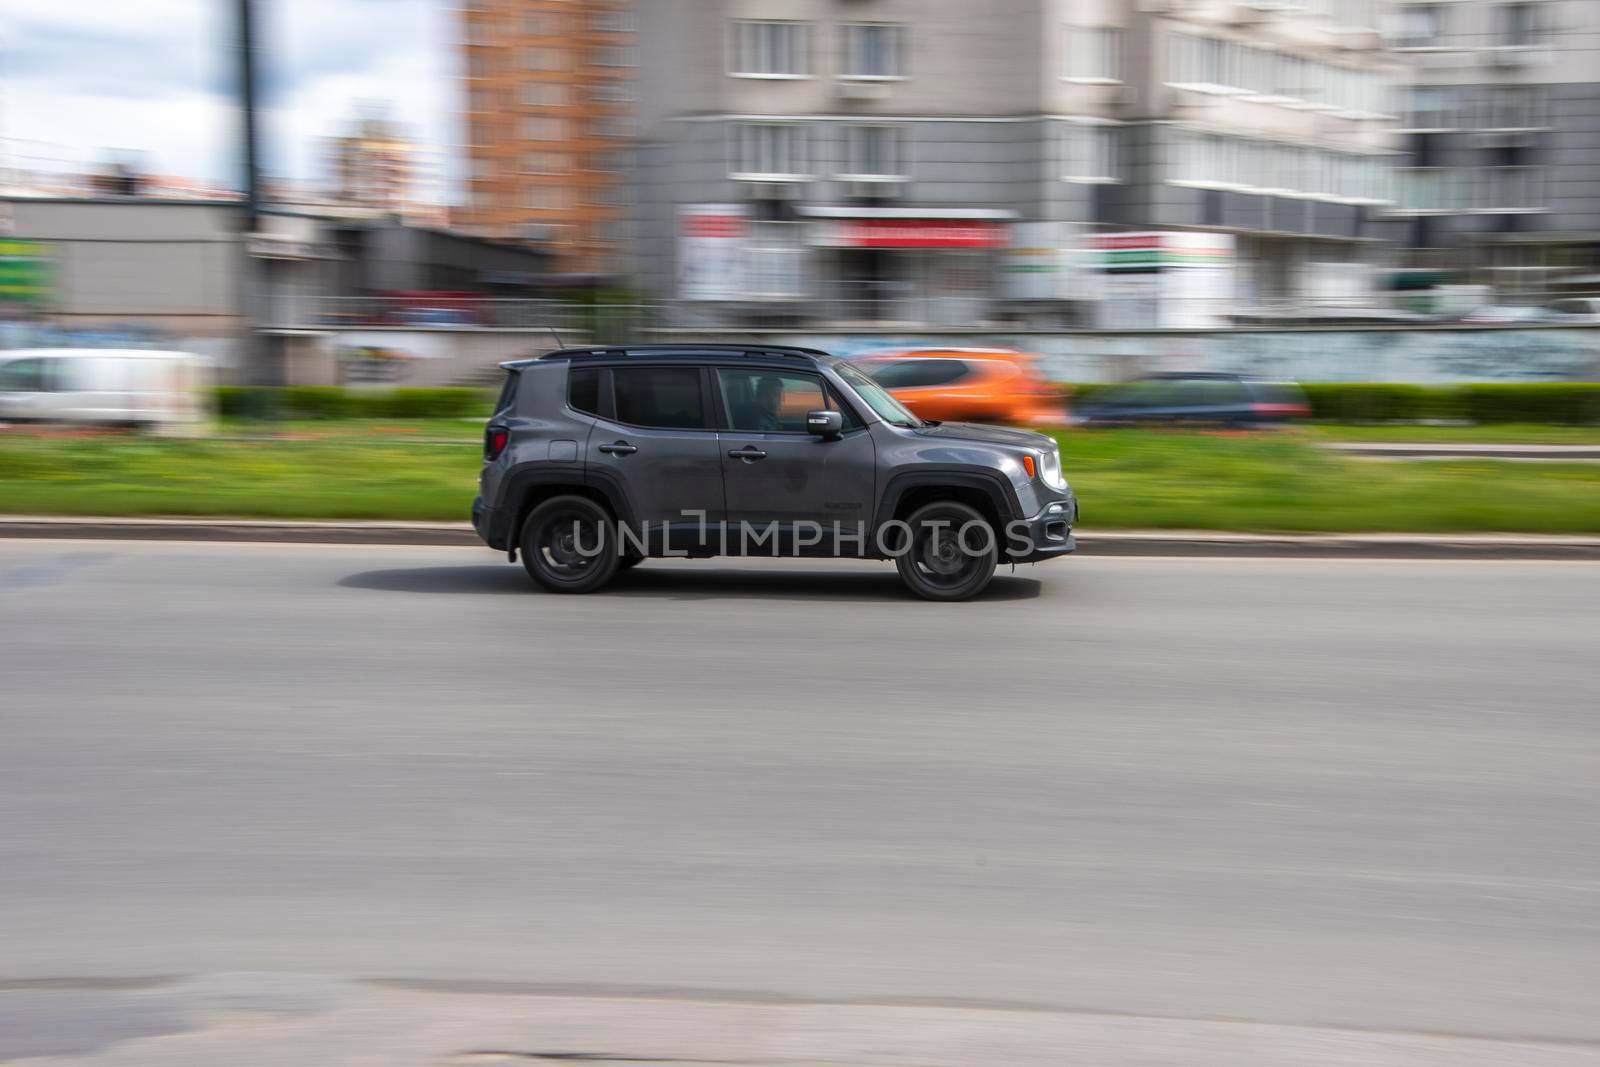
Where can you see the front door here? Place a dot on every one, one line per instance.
(773, 470)
(653, 441)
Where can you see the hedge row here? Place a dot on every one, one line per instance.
(331, 402)
(1569, 403)
(1566, 403)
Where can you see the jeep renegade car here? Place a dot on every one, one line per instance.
(598, 458)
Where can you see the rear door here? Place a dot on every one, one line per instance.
(653, 441)
(773, 469)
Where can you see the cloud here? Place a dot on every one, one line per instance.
(155, 76)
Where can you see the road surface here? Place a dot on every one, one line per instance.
(1345, 794)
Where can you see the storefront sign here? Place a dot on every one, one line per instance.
(711, 240)
(1035, 265)
(1178, 248)
(914, 233)
(26, 274)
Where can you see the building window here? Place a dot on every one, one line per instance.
(612, 92)
(1419, 25)
(542, 128)
(543, 23)
(775, 259)
(614, 127)
(1512, 189)
(771, 150)
(1093, 55)
(1432, 107)
(770, 49)
(544, 57)
(1204, 63)
(545, 163)
(614, 55)
(1517, 107)
(1522, 24)
(874, 152)
(546, 94)
(873, 50)
(547, 198)
(617, 20)
(1091, 154)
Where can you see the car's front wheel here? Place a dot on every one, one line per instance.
(569, 545)
(950, 553)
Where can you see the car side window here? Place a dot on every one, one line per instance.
(769, 401)
(919, 373)
(583, 390)
(26, 376)
(665, 398)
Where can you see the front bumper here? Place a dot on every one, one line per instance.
(1045, 535)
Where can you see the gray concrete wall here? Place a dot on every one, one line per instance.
(168, 266)
(1433, 354)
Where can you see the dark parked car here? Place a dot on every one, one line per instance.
(598, 458)
(1193, 399)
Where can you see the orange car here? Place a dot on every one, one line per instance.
(967, 384)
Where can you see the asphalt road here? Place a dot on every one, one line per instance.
(1330, 793)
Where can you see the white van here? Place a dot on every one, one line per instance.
(115, 386)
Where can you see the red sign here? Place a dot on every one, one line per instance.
(713, 225)
(919, 233)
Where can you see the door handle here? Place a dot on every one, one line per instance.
(748, 454)
(621, 448)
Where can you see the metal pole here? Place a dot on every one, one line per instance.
(245, 43)
(252, 348)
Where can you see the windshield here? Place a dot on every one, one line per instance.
(876, 397)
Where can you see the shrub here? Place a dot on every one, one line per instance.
(332, 402)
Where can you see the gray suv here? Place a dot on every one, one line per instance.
(598, 458)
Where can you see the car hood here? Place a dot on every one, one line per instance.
(993, 435)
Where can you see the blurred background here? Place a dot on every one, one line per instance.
(410, 207)
(1263, 268)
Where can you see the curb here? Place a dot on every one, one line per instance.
(1527, 453)
(1094, 543)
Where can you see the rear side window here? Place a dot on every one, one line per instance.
(508, 392)
(663, 397)
(583, 390)
(914, 373)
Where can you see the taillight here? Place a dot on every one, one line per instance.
(495, 439)
(1290, 411)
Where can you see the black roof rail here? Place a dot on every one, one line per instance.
(685, 348)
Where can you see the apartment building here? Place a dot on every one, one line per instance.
(1501, 129)
(374, 166)
(550, 97)
(922, 160)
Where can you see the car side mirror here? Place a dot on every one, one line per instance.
(825, 424)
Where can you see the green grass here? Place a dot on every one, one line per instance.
(341, 479)
(1510, 433)
(1126, 479)
(1143, 480)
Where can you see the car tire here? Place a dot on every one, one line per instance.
(568, 545)
(951, 552)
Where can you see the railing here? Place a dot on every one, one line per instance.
(594, 323)
(584, 323)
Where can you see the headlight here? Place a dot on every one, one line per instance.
(1050, 471)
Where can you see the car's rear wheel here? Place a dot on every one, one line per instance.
(950, 553)
(569, 545)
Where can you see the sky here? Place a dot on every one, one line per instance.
(82, 78)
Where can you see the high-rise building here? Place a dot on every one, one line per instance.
(926, 160)
(1502, 137)
(374, 166)
(550, 96)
